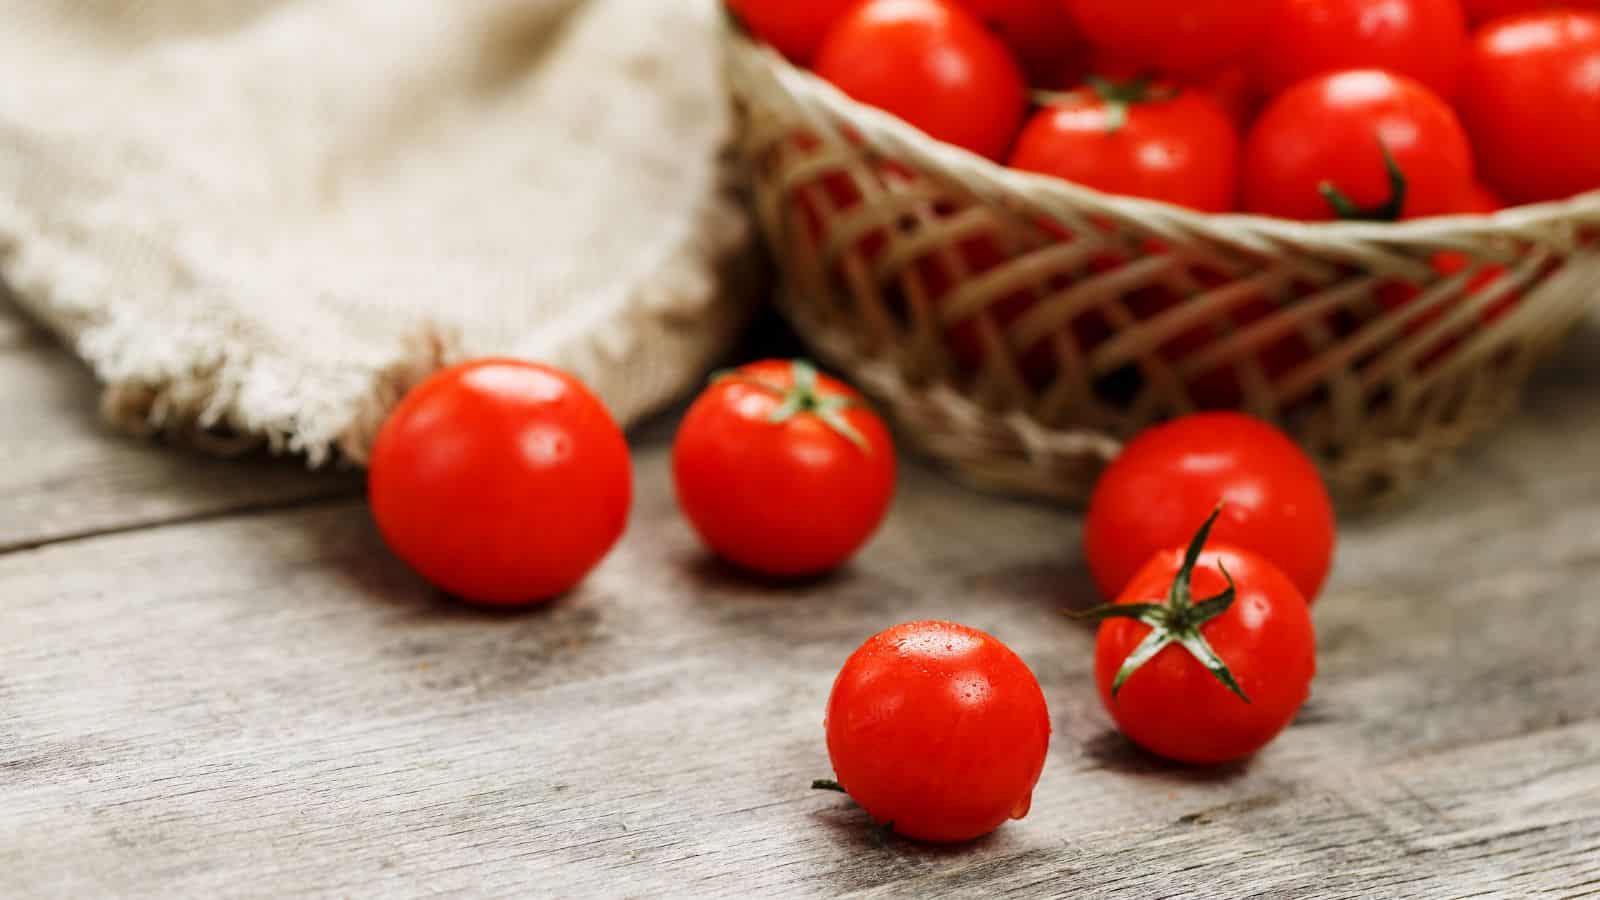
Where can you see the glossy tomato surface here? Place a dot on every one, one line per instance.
(1531, 100)
(1333, 129)
(795, 29)
(933, 64)
(1174, 36)
(1173, 705)
(939, 729)
(1425, 39)
(1180, 147)
(785, 498)
(503, 482)
(1170, 478)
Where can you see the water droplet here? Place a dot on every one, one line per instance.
(1020, 811)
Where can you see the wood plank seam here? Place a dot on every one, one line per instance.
(243, 511)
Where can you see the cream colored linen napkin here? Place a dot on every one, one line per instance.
(265, 219)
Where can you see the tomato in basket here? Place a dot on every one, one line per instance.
(796, 29)
(1424, 39)
(1039, 32)
(1174, 36)
(1208, 654)
(937, 731)
(1480, 11)
(1138, 139)
(1531, 101)
(933, 64)
(1362, 144)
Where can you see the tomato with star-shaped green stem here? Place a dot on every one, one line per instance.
(1211, 680)
(782, 470)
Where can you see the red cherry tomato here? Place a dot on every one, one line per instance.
(781, 470)
(1480, 11)
(1332, 131)
(500, 481)
(1481, 201)
(1170, 477)
(933, 64)
(938, 729)
(1531, 100)
(1039, 32)
(1425, 39)
(1205, 660)
(796, 29)
(1174, 36)
(1155, 142)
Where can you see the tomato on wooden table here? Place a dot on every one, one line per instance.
(503, 482)
(1208, 654)
(1359, 144)
(1424, 39)
(933, 64)
(1160, 142)
(937, 730)
(1531, 101)
(782, 470)
(1172, 476)
(795, 29)
(1174, 36)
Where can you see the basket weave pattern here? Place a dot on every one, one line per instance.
(1020, 327)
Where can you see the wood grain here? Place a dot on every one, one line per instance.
(265, 703)
(65, 475)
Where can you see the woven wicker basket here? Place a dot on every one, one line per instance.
(1020, 327)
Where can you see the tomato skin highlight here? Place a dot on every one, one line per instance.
(1181, 150)
(1531, 101)
(796, 29)
(1423, 39)
(1173, 706)
(939, 729)
(787, 499)
(933, 64)
(1334, 128)
(1174, 36)
(500, 481)
(1169, 478)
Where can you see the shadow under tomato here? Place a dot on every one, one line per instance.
(857, 832)
(1112, 751)
(715, 572)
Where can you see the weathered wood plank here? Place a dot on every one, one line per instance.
(269, 703)
(65, 474)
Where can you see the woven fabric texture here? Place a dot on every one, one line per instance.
(263, 220)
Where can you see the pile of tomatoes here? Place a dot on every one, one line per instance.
(1300, 109)
(506, 482)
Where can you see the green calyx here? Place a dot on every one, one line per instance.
(1177, 621)
(803, 397)
(1387, 211)
(1118, 97)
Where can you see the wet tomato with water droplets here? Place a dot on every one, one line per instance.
(938, 730)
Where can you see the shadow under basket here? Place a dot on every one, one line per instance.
(1020, 327)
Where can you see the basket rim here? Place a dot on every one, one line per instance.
(982, 174)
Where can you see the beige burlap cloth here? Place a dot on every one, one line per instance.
(263, 220)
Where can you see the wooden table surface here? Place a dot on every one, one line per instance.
(216, 682)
